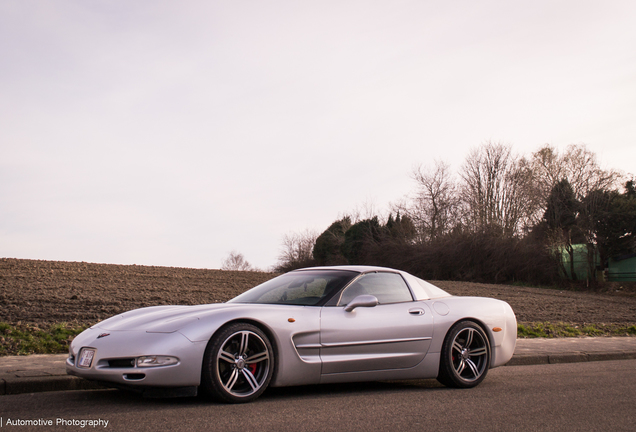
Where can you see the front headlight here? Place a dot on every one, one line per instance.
(152, 361)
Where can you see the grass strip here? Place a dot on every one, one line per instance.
(23, 339)
(560, 329)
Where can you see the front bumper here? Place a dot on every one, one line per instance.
(115, 354)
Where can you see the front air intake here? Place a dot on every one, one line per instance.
(134, 377)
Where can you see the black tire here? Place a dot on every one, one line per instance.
(465, 356)
(238, 364)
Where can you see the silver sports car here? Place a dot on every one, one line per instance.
(309, 326)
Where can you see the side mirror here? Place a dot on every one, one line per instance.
(362, 301)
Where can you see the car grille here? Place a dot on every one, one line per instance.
(121, 363)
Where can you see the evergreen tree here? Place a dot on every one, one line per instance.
(359, 239)
(328, 247)
(615, 226)
(560, 217)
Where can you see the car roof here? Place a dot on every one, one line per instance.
(354, 268)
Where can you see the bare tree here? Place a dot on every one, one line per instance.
(434, 206)
(297, 250)
(493, 189)
(577, 165)
(236, 262)
(366, 210)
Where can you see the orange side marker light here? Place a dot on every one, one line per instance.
(497, 329)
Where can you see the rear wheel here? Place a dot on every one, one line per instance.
(238, 364)
(465, 356)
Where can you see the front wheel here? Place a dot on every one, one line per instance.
(465, 356)
(238, 364)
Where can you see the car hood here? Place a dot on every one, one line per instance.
(160, 319)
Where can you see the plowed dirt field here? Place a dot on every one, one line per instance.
(47, 292)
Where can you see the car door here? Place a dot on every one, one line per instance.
(394, 334)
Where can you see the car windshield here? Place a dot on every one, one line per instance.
(302, 288)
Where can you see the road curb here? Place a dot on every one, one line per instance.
(542, 359)
(13, 386)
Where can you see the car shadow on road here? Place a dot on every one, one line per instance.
(117, 399)
(331, 390)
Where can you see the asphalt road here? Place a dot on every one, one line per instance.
(592, 396)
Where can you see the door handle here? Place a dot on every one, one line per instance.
(416, 311)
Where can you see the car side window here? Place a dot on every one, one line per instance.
(386, 287)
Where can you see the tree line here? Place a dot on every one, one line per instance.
(502, 218)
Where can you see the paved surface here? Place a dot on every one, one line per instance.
(577, 397)
(39, 373)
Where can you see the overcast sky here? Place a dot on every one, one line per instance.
(173, 132)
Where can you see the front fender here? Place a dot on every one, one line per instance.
(293, 330)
